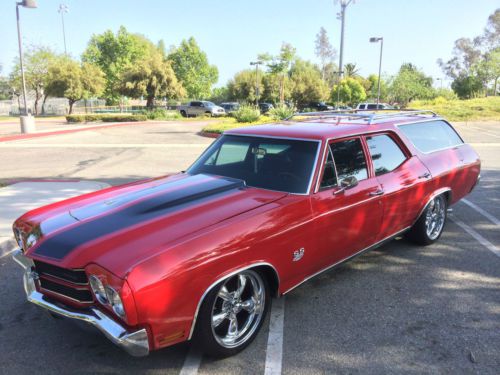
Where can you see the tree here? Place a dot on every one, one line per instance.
(324, 51)
(193, 70)
(351, 70)
(242, 86)
(351, 91)
(306, 84)
(467, 86)
(475, 58)
(36, 65)
(220, 94)
(410, 84)
(152, 77)
(279, 66)
(115, 53)
(372, 87)
(5, 89)
(69, 79)
(491, 35)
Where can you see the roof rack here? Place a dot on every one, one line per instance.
(368, 117)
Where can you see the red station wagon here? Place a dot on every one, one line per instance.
(199, 254)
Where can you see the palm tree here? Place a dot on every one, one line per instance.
(350, 70)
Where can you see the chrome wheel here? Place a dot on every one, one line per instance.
(238, 308)
(435, 217)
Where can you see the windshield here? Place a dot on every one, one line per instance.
(209, 104)
(268, 163)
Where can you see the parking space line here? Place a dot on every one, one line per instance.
(483, 241)
(192, 362)
(274, 352)
(487, 215)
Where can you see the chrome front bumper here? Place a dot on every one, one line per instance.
(135, 343)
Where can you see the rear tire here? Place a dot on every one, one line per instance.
(429, 226)
(232, 314)
(183, 114)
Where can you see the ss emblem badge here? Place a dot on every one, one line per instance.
(298, 254)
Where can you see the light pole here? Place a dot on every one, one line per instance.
(257, 93)
(63, 8)
(341, 16)
(376, 40)
(27, 121)
(339, 73)
(440, 79)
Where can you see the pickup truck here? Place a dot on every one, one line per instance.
(201, 108)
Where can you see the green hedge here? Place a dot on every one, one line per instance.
(92, 117)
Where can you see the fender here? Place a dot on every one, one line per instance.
(222, 278)
(431, 197)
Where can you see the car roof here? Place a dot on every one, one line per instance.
(333, 126)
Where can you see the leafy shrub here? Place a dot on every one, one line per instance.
(161, 114)
(281, 112)
(247, 113)
(91, 117)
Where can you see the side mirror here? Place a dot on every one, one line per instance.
(347, 183)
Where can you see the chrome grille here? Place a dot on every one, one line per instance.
(68, 283)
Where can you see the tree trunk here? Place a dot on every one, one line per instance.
(71, 102)
(37, 99)
(19, 103)
(150, 102)
(43, 103)
(495, 86)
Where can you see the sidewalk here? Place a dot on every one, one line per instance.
(57, 128)
(18, 198)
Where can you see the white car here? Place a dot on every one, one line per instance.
(370, 106)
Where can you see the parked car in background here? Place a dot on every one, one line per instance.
(320, 106)
(372, 106)
(201, 108)
(265, 107)
(230, 107)
(200, 254)
(343, 108)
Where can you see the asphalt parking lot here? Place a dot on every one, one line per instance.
(398, 309)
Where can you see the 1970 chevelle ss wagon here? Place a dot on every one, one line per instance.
(199, 254)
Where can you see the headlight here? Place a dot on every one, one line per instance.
(115, 301)
(98, 289)
(31, 240)
(19, 238)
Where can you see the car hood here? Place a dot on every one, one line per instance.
(119, 227)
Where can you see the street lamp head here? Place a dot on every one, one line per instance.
(375, 39)
(255, 62)
(28, 3)
(63, 8)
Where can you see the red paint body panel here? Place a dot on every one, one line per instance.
(163, 266)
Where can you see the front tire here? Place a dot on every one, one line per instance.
(232, 314)
(429, 226)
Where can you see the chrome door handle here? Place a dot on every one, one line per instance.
(425, 175)
(375, 193)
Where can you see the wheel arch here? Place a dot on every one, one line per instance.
(446, 191)
(266, 269)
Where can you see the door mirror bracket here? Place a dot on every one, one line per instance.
(346, 183)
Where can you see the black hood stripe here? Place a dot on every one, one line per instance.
(61, 244)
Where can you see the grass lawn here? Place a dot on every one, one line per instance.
(227, 123)
(480, 109)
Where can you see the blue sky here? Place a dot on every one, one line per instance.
(232, 33)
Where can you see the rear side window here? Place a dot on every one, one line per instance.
(349, 159)
(431, 136)
(386, 154)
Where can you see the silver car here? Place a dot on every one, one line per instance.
(201, 108)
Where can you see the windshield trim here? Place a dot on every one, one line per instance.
(313, 169)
